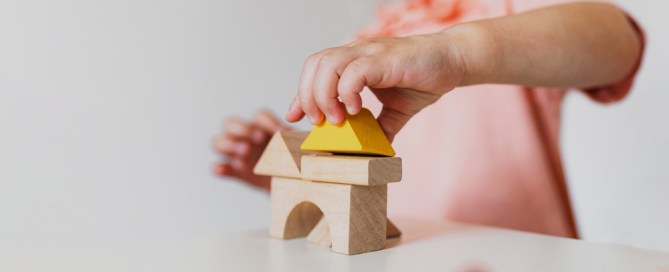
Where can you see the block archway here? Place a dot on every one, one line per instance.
(355, 215)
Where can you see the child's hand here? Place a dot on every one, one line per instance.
(578, 45)
(405, 74)
(242, 142)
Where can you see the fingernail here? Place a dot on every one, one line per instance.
(336, 120)
(332, 119)
(350, 109)
(312, 120)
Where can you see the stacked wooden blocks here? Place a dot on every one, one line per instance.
(335, 200)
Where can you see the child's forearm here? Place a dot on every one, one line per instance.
(572, 45)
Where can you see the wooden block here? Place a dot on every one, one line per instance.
(359, 134)
(355, 215)
(356, 170)
(282, 156)
(320, 235)
(391, 230)
(367, 220)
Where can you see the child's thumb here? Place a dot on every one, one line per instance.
(391, 121)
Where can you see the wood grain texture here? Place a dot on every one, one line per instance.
(320, 235)
(282, 156)
(355, 215)
(355, 170)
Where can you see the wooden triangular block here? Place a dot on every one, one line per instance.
(391, 230)
(358, 134)
(282, 156)
(320, 235)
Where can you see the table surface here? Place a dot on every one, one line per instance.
(424, 246)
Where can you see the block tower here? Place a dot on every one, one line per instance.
(331, 184)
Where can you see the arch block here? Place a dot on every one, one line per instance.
(355, 215)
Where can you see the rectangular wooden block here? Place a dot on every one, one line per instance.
(356, 170)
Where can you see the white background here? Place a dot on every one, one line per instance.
(107, 110)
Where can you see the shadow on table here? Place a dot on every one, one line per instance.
(414, 230)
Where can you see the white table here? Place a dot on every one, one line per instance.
(423, 247)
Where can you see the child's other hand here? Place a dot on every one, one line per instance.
(406, 75)
(242, 142)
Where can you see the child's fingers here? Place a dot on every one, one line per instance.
(267, 122)
(295, 112)
(350, 95)
(391, 121)
(231, 147)
(223, 169)
(325, 95)
(358, 74)
(242, 130)
(244, 173)
(229, 170)
(237, 128)
(240, 165)
(330, 66)
(241, 171)
(305, 91)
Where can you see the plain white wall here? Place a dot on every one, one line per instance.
(617, 157)
(107, 109)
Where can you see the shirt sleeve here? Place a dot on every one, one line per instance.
(607, 93)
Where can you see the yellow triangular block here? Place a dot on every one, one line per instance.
(358, 134)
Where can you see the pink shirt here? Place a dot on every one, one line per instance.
(484, 154)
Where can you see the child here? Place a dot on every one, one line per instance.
(484, 154)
